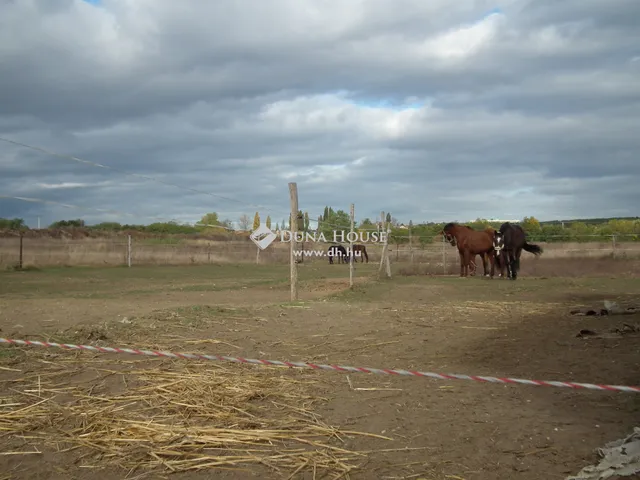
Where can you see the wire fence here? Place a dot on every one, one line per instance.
(25, 252)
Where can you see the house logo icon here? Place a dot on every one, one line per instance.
(262, 236)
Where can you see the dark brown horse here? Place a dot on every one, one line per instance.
(337, 251)
(470, 243)
(508, 243)
(360, 251)
(500, 256)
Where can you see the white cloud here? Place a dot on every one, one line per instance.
(464, 41)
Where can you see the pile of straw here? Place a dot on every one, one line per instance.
(173, 417)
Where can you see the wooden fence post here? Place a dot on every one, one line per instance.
(384, 257)
(293, 199)
(351, 255)
(129, 251)
(410, 245)
(382, 252)
(20, 260)
(444, 255)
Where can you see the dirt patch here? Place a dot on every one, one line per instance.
(435, 429)
(539, 267)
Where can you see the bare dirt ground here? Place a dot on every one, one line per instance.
(83, 415)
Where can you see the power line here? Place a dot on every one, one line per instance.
(124, 172)
(149, 178)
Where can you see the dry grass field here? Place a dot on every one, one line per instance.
(112, 251)
(80, 415)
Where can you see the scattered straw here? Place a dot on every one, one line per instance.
(173, 417)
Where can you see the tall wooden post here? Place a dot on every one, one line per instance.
(384, 257)
(293, 221)
(129, 250)
(351, 255)
(21, 259)
(444, 255)
(410, 245)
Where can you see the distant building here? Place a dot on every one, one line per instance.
(496, 220)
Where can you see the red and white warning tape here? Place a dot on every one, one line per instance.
(337, 368)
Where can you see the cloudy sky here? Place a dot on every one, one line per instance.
(433, 110)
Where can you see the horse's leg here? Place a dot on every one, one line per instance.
(506, 260)
(484, 264)
(517, 262)
(505, 264)
(512, 264)
(492, 261)
(467, 264)
(467, 261)
(461, 263)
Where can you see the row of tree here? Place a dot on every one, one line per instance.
(626, 229)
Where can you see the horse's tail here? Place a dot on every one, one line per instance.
(532, 248)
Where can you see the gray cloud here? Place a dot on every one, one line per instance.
(533, 111)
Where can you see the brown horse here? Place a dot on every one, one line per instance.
(470, 243)
(360, 251)
(485, 257)
(489, 256)
(473, 266)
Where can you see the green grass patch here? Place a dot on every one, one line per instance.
(88, 282)
(9, 354)
(115, 282)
